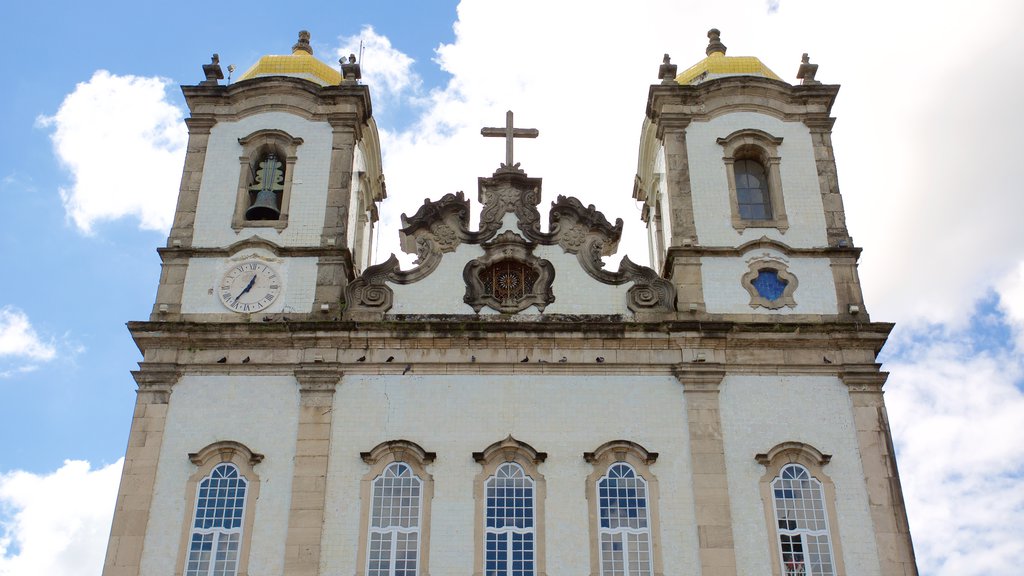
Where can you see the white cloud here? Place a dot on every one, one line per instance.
(19, 339)
(124, 144)
(388, 71)
(1011, 300)
(956, 414)
(56, 524)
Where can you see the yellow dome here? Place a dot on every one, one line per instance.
(718, 65)
(299, 64)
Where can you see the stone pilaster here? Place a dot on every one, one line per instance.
(317, 383)
(135, 495)
(333, 271)
(672, 133)
(885, 495)
(199, 127)
(828, 179)
(710, 484)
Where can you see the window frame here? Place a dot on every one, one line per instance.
(206, 460)
(380, 458)
(782, 270)
(640, 460)
(491, 459)
(813, 461)
(255, 147)
(758, 145)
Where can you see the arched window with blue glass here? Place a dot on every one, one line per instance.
(509, 494)
(222, 492)
(623, 494)
(511, 527)
(216, 538)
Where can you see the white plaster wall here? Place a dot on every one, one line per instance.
(358, 166)
(207, 409)
(759, 412)
(724, 292)
(576, 292)
(442, 291)
(219, 188)
(710, 188)
(298, 288)
(564, 416)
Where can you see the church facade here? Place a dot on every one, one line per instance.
(507, 405)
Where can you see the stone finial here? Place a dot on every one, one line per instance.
(303, 43)
(667, 71)
(350, 72)
(212, 71)
(714, 42)
(807, 71)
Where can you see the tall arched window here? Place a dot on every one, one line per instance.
(752, 190)
(799, 501)
(623, 523)
(396, 494)
(511, 527)
(216, 537)
(221, 496)
(754, 179)
(804, 543)
(509, 495)
(623, 495)
(394, 541)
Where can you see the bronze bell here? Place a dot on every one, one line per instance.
(265, 207)
(269, 182)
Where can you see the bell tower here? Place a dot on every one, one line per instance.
(277, 203)
(741, 199)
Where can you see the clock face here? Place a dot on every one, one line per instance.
(249, 287)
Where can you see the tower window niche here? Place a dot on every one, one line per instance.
(265, 179)
(770, 284)
(755, 182)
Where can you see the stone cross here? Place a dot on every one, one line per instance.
(508, 133)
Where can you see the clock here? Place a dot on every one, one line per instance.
(249, 287)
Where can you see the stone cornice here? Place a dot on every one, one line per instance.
(280, 93)
(702, 101)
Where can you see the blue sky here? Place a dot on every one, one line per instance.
(926, 144)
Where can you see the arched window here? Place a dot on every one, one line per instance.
(799, 501)
(623, 494)
(802, 522)
(394, 541)
(752, 190)
(510, 533)
(755, 180)
(509, 496)
(217, 525)
(396, 495)
(623, 523)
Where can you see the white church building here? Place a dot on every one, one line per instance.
(508, 406)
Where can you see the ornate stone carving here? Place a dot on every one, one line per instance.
(441, 226)
(369, 292)
(649, 292)
(508, 277)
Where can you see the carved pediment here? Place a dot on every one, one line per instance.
(509, 278)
